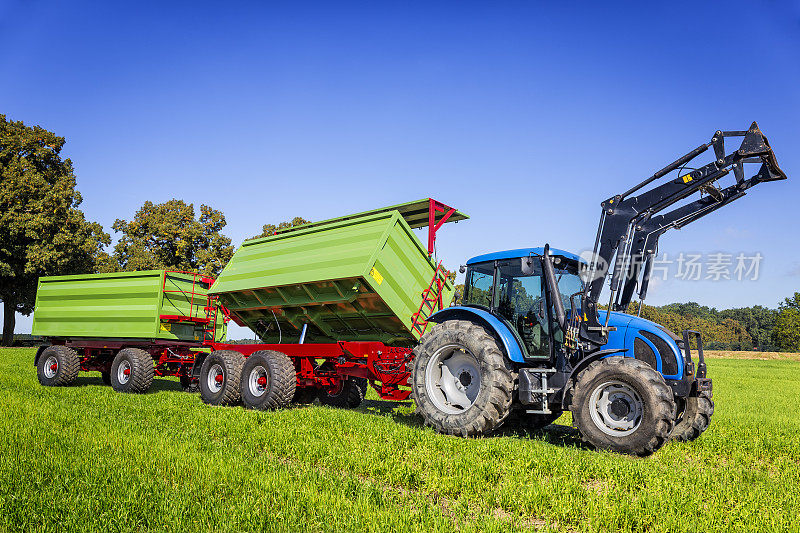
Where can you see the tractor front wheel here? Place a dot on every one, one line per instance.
(461, 381)
(624, 405)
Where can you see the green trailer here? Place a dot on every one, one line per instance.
(354, 278)
(154, 305)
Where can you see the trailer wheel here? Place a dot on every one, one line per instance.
(696, 417)
(132, 371)
(269, 380)
(305, 395)
(461, 382)
(220, 377)
(348, 396)
(624, 405)
(189, 384)
(57, 365)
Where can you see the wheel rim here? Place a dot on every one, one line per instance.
(453, 379)
(258, 381)
(124, 372)
(616, 408)
(50, 367)
(216, 378)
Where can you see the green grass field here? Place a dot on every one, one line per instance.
(87, 458)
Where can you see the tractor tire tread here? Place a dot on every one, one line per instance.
(496, 406)
(663, 417)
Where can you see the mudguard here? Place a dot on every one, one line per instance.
(510, 344)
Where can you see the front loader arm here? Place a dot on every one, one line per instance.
(630, 226)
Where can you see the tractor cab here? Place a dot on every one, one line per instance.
(511, 286)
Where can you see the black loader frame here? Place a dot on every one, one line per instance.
(630, 225)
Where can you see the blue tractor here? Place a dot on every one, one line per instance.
(529, 340)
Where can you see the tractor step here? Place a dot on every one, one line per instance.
(534, 389)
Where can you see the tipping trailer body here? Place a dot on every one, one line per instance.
(150, 305)
(355, 278)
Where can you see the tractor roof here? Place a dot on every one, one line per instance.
(523, 252)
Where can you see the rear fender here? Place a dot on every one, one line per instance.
(38, 353)
(486, 319)
(199, 357)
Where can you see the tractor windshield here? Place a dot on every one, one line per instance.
(513, 289)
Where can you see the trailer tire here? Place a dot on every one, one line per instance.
(220, 378)
(132, 371)
(57, 366)
(475, 357)
(269, 380)
(349, 396)
(696, 418)
(304, 395)
(623, 405)
(190, 385)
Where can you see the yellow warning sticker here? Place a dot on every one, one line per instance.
(165, 326)
(376, 275)
(687, 178)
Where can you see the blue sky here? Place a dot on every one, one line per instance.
(524, 115)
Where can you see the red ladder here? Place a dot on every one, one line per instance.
(431, 299)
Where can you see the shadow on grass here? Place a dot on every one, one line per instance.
(403, 413)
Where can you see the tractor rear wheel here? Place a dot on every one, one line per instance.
(220, 377)
(57, 365)
(461, 381)
(696, 417)
(269, 380)
(132, 371)
(624, 405)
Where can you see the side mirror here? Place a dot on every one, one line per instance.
(526, 264)
(462, 268)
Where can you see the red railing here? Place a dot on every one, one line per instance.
(431, 299)
(211, 307)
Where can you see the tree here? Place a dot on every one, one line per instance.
(168, 236)
(42, 231)
(786, 333)
(270, 229)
